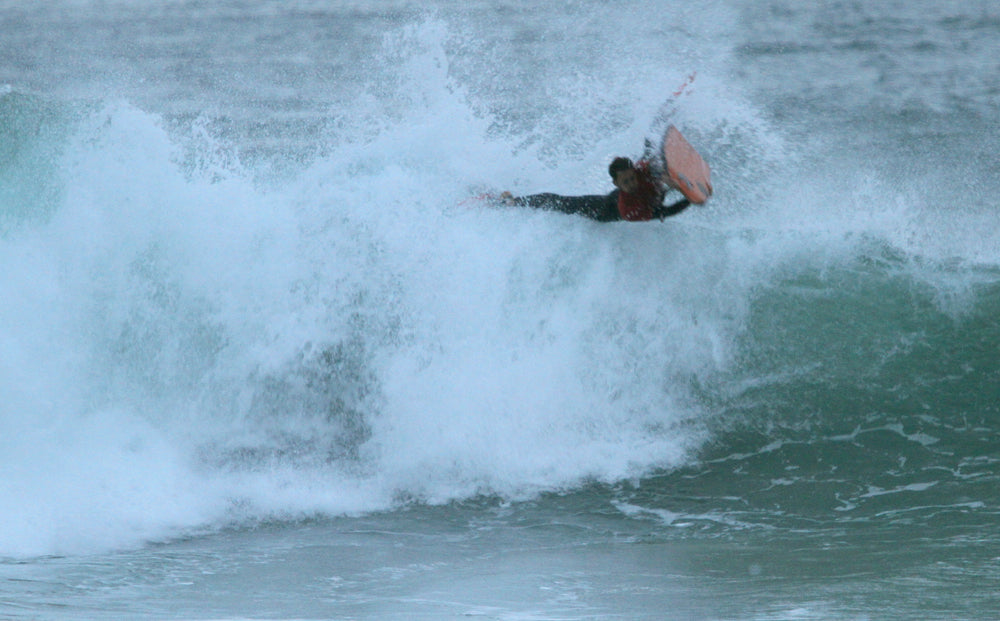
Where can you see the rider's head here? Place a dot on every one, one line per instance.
(623, 174)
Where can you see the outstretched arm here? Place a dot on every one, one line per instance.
(600, 207)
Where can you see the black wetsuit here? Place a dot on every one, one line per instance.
(600, 207)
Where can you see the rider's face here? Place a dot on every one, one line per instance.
(626, 180)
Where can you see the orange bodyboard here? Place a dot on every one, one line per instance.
(685, 170)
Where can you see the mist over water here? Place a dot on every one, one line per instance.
(218, 346)
(250, 279)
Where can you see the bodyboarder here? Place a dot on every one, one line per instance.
(638, 196)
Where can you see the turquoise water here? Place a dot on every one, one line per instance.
(263, 357)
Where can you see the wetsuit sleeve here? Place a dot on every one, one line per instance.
(607, 210)
(600, 207)
(665, 211)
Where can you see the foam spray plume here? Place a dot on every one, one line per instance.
(187, 347)
(189, 344)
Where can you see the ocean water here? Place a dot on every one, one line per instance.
(265, 353)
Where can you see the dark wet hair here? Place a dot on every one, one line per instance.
(619, 164)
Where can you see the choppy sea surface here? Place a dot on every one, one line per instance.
(265, 354)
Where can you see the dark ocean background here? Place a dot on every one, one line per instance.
(265, 353)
